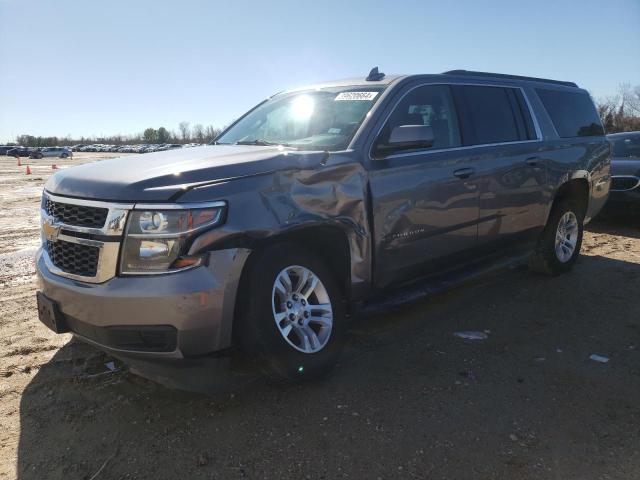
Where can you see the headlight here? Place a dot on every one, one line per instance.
(156, 240)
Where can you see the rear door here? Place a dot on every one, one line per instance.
(425, 201)
(509, 162)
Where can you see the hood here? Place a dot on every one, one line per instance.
(164, 176)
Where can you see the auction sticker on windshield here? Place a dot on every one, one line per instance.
(356, 96)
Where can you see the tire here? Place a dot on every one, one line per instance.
(554, 256)
(64, 155)
(291, 359)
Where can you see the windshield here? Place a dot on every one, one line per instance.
(324, 119)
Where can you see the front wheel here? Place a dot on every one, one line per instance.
(292, 319)
(559, 245)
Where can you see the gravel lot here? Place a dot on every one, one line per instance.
(408, 400)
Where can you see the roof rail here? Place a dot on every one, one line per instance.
(471, 73)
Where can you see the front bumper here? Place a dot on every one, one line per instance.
(198, 303)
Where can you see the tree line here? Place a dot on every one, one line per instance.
(619, 113)
(186, 133)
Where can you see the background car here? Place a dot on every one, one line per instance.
(5, 148)
(625, 170)
(19, 152)
(60, 152)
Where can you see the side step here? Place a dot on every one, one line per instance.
(388, 300)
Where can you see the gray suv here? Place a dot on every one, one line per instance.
(315, 201)
(59, 152)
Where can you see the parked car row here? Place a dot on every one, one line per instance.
(142, 148)
(33, 152)
(64, 152)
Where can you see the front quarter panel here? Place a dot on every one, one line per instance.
(265, 206)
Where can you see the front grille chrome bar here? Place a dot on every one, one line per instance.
(108, 238)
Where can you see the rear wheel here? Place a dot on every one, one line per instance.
(559, 245)
(293, 319)
(64, 155)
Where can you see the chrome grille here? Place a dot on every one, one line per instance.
(81, 238)
(78, 215)
(74, 258)
(624, 183)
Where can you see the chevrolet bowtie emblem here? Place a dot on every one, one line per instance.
(50, 230)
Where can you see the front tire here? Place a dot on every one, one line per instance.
(559, 245)
(292, 320)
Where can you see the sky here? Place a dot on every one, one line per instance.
(85, 67)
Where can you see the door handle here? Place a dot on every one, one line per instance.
(464, 172)
(532, 161)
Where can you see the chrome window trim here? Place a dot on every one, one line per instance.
(534, 119)
(625, 176)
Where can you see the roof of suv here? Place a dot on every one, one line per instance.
(388, 79)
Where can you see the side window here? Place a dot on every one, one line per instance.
(431, 105)
(572, 113)
(490, 115)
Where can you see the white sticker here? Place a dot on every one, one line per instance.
(367, 96)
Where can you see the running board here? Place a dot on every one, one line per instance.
(388, 300)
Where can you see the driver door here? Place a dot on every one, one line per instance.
(425, 201)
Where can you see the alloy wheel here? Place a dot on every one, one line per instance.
(302, 309)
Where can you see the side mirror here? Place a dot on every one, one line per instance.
(406, 137)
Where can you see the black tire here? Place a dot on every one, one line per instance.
(64, 155)
(258, 332)
(545, 259)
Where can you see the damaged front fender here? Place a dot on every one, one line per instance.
(264, 208)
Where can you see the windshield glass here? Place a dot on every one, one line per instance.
(324, 119)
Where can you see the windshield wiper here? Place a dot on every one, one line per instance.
(261, 143)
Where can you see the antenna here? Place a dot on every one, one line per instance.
(374, 75)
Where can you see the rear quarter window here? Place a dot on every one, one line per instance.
(572, 113)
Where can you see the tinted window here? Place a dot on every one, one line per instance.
(429, 105)
(628, 147)
(572, 113)
(489, 115)
(525, 113)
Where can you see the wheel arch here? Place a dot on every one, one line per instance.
(331, 243)
(576, 189)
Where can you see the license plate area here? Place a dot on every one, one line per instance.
(50, 315)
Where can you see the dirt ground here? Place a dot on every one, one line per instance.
(408, 400)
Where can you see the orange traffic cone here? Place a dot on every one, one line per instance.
(54, 167)
(28, 172)
(19, 164)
